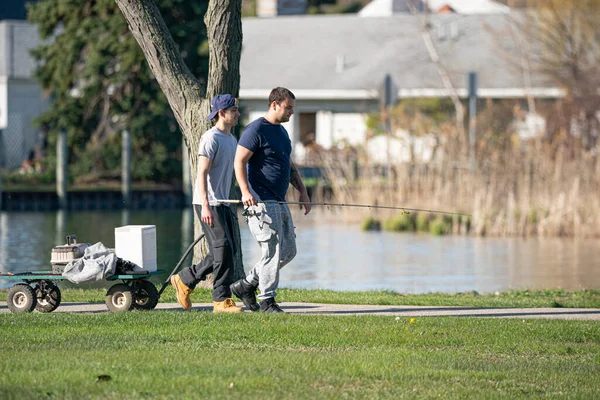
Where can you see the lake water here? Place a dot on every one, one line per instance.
(331, 255)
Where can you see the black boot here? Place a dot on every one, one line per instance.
(269, 305)
(246, 292)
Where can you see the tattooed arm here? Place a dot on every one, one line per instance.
(296, 181)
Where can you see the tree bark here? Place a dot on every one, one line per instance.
(188, 97)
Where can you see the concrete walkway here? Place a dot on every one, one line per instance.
(393, 311)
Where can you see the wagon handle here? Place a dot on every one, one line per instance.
(168, 280)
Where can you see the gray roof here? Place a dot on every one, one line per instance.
(300, 52)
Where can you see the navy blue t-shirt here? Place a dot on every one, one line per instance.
(269, 166)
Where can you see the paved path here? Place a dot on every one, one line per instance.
(397, 311)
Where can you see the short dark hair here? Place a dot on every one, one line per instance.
(279, 94)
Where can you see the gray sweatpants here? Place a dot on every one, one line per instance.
(273, 228)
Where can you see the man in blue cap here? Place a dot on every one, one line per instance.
(215, 171)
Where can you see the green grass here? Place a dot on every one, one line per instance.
(400, 223)
(418, 222)
(422, 222)
(370, 224)
(520, 299)
(176, 355)
(441, 225)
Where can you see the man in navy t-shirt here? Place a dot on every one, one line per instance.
(264, 171)
(269, 167)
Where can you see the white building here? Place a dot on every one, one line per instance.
(386, 8)
(336, 64)
(273, 8)
(21, 98)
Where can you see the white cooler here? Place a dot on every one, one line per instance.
(137, 243)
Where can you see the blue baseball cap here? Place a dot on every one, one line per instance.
(220, 102)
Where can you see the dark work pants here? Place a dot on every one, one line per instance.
(219, 260)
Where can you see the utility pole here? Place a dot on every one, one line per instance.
(472, 84)
(126, 168)
(61, 169)
(387, 101)
(443, 73)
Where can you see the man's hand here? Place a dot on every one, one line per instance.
(305, 199)
(206, 216)
(248, 200)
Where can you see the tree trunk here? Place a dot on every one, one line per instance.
(187, 96)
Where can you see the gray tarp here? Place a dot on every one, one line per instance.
(97, 264)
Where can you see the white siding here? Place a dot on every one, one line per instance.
(21, 99)
(17, 39)
(252, 115)
(324, 134)
(350, 128)
(3, 103)
(4, 53)
(291, 126)
(338, 128)
(25, 102)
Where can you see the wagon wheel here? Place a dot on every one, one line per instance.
(48, 296)
(21, 298)
(145, 295)
(119, 298)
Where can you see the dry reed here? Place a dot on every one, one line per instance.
(526, 189)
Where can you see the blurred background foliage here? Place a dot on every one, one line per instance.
(100, 84)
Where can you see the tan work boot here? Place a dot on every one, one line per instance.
(183, 292)
(227, 305)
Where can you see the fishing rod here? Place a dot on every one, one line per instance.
(405, 210)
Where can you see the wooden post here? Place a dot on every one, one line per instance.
(61, 169)
(187, 227)
(61, 223)
(186, 177)
(126, 168)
